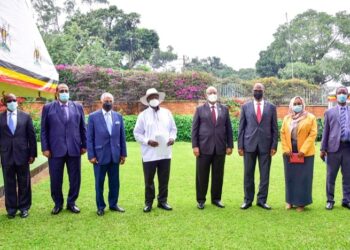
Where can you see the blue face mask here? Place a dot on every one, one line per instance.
(12, 106)
(64, 97)
(342, 98)
(297, 108)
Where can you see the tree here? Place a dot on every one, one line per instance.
(311, 41)
(47, 15)
(161, 58)
(119, 32)
(211, 65)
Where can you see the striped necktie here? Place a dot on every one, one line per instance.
(343, 123)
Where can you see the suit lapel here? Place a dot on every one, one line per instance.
(220, 114)
(4, 122)
(71, 111)
(114, 119)
(264, 111)
(102, 120)
(252, 110)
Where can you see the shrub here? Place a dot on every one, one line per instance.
(184, 127)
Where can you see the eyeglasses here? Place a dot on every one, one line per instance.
(63, 91)
(12, 100)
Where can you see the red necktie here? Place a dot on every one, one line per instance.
(213, 115)
(258, 113)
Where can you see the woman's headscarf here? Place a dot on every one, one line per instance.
(296, 117)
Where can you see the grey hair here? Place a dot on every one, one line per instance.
(106, 94)
(209, 88)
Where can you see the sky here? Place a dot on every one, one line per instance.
(235, 31)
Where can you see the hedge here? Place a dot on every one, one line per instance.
(183, 123)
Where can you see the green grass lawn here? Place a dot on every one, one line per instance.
(185, 227)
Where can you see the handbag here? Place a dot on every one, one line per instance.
(295, 159)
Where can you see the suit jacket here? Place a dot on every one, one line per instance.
(17, 148)
(208, 136)
(62, 137)
(332, 131)
(307, 132)
(100, 144)
(252, 134)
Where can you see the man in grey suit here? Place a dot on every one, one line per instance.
(211, 140)
(257, 139)
(335, 147)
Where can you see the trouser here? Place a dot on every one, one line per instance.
(203, 165)
(162, 167)
(335, 161)
(249, 171)
(56, 169)
(100, 171)
(14, 176)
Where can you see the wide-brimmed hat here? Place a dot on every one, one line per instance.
(149, 92)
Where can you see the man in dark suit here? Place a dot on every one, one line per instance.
(63, 141)
(106, 150)
(335, 147)
(257, 139)
(18, 149)
(212, 140)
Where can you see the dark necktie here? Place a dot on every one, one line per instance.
(343, 123)
(258, 113)
(213, 115)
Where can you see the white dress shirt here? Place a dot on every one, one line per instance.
(151, 123)
(14, 117)
(216, 109)
(261, 106)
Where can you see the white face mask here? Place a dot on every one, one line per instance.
(154, 103)
(212, 97)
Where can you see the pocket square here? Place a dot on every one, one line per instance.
(117, 122)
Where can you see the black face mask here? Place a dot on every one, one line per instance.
(258, 94)
(107, 106)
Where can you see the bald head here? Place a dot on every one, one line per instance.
(211, 94)
(258, 86)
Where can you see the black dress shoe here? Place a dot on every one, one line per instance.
(263, 205)
(329, 205)
(346, 205)
(200, 205)
(73, 209)
(100, 212)
(218, 204)
(56, 210)
(246, 205)
(165, 206)
(11, 216)
(24, 214)
(117, 209)
(147, 208)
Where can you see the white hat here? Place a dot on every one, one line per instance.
(149, 92)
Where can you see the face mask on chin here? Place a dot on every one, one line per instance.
(212, 98)
(154, 103)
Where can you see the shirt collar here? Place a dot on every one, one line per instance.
(256, 103)
(14, 112)
(215, 105)
(105, 112)
(61, 104)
